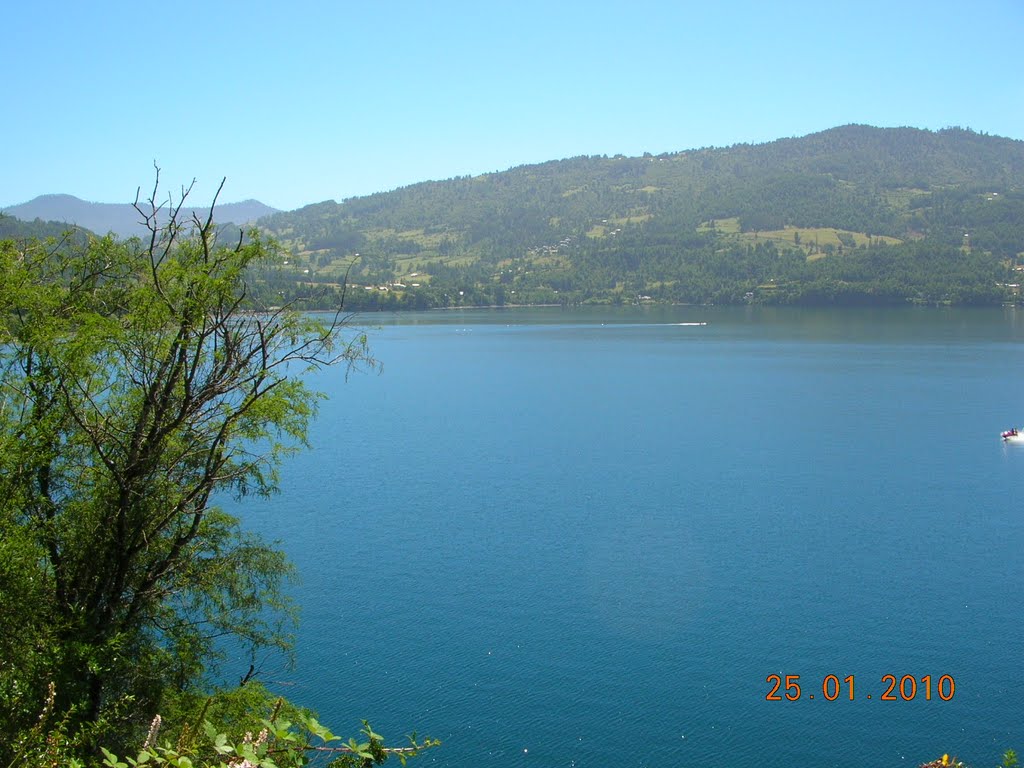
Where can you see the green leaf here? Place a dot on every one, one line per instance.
(220, 744)
(110, 759)
(209, 730)
(320, 731)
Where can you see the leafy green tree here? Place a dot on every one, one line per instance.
(139, 381)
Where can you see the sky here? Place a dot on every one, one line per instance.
(296, 103)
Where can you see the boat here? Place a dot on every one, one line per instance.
(1012, 435)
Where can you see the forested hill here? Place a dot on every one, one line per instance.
(854, 214)
(12, 228)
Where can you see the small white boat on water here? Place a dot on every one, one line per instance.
(1012, 435)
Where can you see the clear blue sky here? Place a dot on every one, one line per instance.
(306, 101)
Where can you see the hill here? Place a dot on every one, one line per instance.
(12, 228)
(120, 218)
(852, 214)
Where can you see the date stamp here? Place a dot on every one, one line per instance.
(892, 688)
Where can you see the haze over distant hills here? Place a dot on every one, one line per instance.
(121, 218)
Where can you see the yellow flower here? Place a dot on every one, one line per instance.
(945, 759)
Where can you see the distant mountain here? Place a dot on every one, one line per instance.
(854, 214)
(121, 219)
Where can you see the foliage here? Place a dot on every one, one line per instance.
(287, 737)
(139, 379)
(278, 744)
(1009, 761)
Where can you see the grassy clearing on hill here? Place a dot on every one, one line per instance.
(611, 226)
(420, 237)
(816, 242)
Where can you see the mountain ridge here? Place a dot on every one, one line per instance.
(121, 218)
(839, 212)
(852, 214)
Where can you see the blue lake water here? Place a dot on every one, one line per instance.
(586, 538)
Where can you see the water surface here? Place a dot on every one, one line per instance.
(585, 538)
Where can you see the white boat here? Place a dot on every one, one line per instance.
(1012, 435)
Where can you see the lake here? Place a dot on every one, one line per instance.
(589, 537)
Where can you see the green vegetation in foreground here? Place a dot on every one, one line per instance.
(138, 380)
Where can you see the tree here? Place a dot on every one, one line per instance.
(139, 380)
